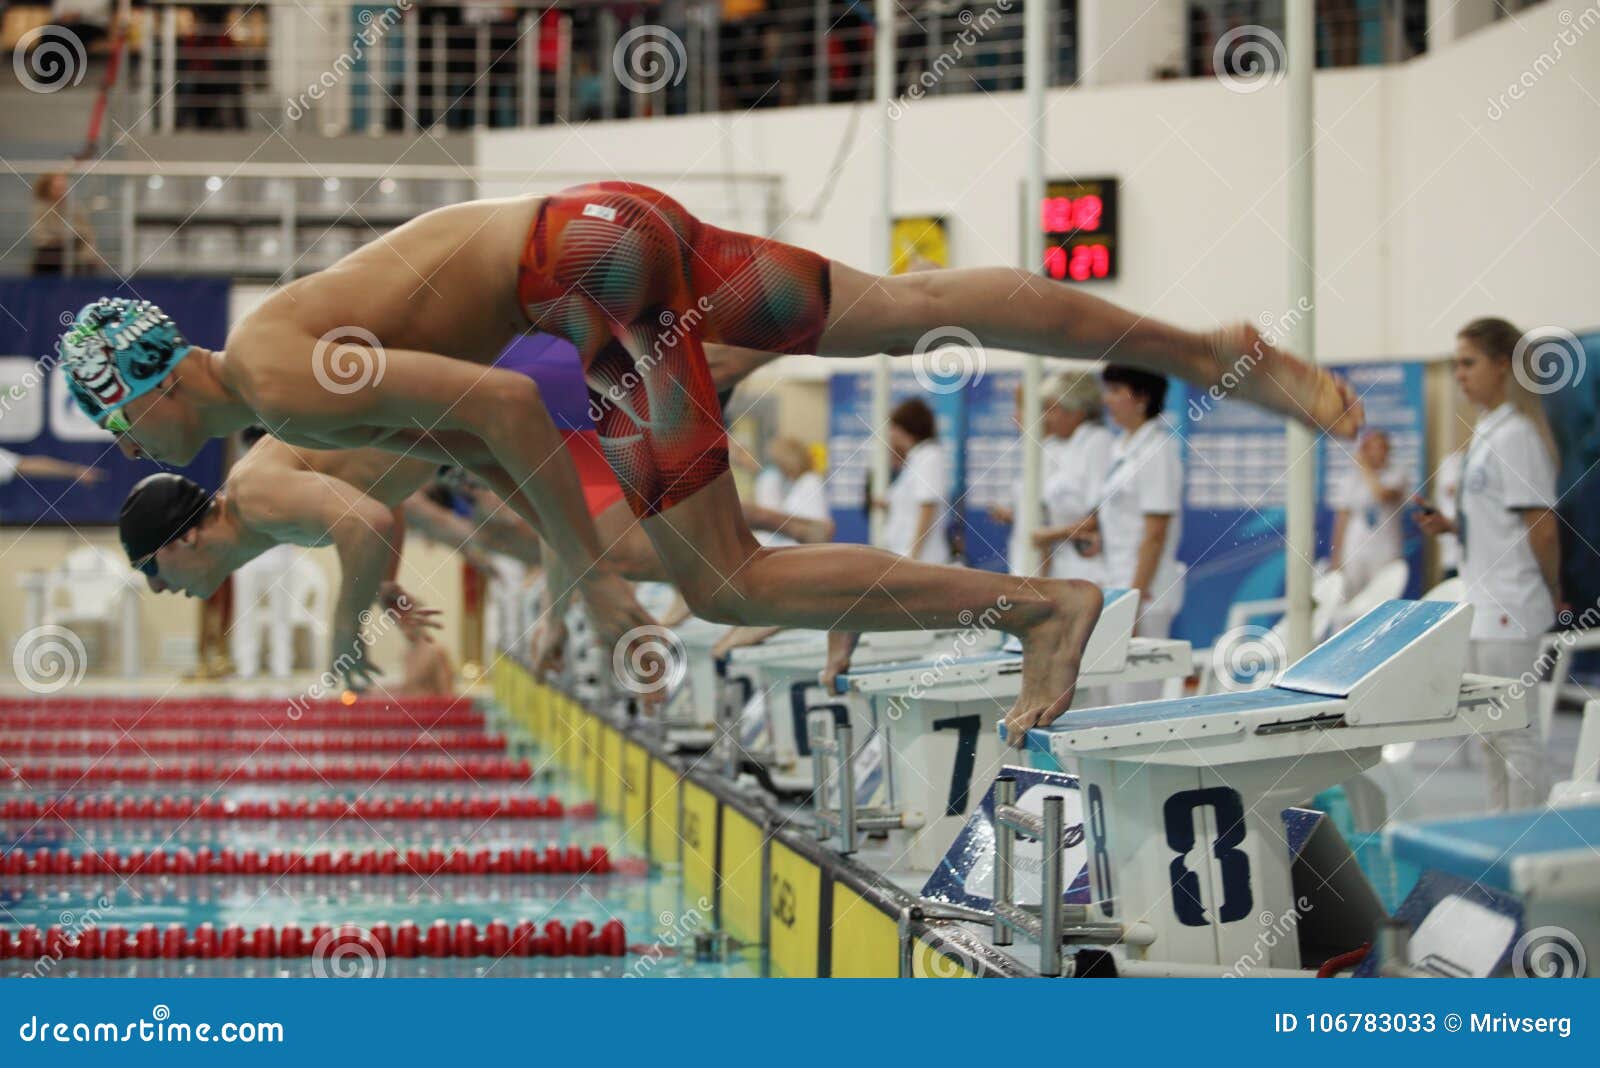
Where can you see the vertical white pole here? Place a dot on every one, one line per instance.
(1301, 290)
(1035, 42)
(884, 81)
(169, 68)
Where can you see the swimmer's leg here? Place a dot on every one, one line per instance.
(1008, 308)
(728, 577)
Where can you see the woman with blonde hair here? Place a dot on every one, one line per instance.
(1511, 549)
(1078, 453)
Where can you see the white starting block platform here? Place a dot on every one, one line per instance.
(1518, 892)
(784, 675)
(1182, 797)
(932, 720)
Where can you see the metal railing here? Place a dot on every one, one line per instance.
(271, 222)
(411, 65)
(1236, 39)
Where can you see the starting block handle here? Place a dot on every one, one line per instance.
(835, 758)
(1049, 828)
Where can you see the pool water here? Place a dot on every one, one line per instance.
(667, 935)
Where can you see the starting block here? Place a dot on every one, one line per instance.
(1181, 797)
(784, 674)
(929, 715)
(1515, 891)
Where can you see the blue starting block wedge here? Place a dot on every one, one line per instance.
(1547, 860)
(1181, 792)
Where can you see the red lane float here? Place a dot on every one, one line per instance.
(161, 719)
(222, 705)
(32, 745)
(427, 863)
(169, 808)
(291, 941)
(474, 769)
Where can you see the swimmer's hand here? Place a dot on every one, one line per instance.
(549, 647)
(613, 608)
(740, 638)
(352, 665)
(414, 618)
(841, 647)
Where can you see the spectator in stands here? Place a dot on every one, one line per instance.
(1367, 499)
(63, 240)
(87, 20)
(210, 73)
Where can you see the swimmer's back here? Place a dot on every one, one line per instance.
(445, 282)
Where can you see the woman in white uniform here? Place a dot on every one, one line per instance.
(1511, 554)
(1078, 454)
(1367, 500)
(918, 500)
(1140, 508)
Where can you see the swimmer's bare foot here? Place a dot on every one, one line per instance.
(1255, 370)
(841, 647)
(1052, 651)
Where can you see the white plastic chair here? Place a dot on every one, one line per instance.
(277, 595)
(1451, 589)
(1584, 786)
(1388, 584)
(92, 592)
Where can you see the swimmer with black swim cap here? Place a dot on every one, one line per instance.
(640, 286)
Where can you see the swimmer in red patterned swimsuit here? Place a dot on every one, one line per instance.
(391, 348)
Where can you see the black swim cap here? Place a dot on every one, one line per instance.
(158, 511)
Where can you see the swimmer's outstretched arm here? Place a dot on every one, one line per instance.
(306, 508)
(420, 392)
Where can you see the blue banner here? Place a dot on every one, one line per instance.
(1236, 485)
(158, 1021)
(38, 416)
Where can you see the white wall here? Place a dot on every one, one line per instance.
(1411, 189)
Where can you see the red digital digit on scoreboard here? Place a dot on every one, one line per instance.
(1078, 219)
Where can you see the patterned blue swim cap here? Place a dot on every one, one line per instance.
(118, 349)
